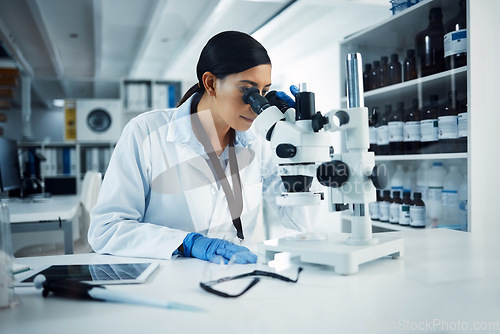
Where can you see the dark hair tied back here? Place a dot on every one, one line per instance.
(226, 53)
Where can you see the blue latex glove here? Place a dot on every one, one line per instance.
(196, 245)
(284, 96)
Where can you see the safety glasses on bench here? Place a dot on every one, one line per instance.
(208, 286)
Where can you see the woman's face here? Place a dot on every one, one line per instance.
(228, 105)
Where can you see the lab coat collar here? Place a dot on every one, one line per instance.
(181, 131)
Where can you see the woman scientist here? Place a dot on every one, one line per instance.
(190, 180)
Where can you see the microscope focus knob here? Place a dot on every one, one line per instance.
(333, 173)
(318, 121)
(379, 176)
(286, 151)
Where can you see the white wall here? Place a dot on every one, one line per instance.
(12, 128)
(485, 117)
(309, 50)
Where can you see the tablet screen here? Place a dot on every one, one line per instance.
(116, 273)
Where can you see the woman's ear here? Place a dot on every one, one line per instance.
(209, 79)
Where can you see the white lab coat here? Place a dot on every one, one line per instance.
(159, 187)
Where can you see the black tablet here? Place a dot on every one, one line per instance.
(115, 273)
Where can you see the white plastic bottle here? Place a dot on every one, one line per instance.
(422, 175)
(397, 179)
(435, 183)
(410, 180)
(449, 197)
(463, 205)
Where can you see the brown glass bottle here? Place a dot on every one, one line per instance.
(375, 207)
(429, 45)
(417, 211)
(373, 115)
(404, 214)
(448, 125)
(383, 72)
(396, 128)
(366, 77)
(384, 204)
(395, 74)
(411, 129)
(374, 76)
(463, 131)
(455, 39)
(410, 66)
(383, 131)
(395, 207)
(429, 129)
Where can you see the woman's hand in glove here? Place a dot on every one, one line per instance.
(198, 246)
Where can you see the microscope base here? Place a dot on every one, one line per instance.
(333, 251)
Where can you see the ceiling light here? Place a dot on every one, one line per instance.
(59, 103)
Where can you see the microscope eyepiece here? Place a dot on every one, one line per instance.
(257, 102)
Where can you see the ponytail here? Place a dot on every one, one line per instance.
(190, 92)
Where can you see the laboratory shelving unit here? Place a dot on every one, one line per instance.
(139, 95)
(67, 162)
(395, 35)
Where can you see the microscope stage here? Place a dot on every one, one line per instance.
(333, 251)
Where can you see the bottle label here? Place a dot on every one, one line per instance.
(417, 216)
(383, 135)
(449, 198)
(462, 125)
(394, 209)
(384, 211)
(434, 193)
(455, 42)
(411, 131)
(396, 131)
(404, 215)
(373, 135)
(429, 130)
(374, 210)
(448, 127)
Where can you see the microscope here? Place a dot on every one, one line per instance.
(302, 145)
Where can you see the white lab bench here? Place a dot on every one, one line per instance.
(446, 281)
(54, 213)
